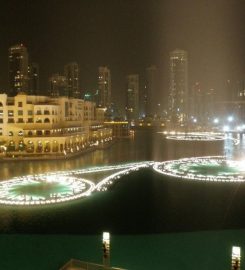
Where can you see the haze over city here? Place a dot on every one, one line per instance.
(122, 134)
(127, 37)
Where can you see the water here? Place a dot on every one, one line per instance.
(148, 214)
(154, 201)
(146, 145)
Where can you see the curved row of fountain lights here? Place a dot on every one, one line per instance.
(198, 136)
(76, 186)
(198, 168)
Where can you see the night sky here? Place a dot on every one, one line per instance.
(127, 36)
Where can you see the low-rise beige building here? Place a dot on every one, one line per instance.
(44, 126)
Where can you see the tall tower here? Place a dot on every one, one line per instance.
(33, 78)
(151, 92)
(71, 72)
(132, 98)
(178, 96)
(104, 86)
(58, 86)
(18, 69)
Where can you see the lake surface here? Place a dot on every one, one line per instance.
(146, 145)
(156, 222)
(142, 202)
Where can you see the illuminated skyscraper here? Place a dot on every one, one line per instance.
(178, 96)
(58, 86)
(104, 87)
(71, 72)
(151, 90)
(197, 103)
(33, 78)
(18, 69)
(132, 98)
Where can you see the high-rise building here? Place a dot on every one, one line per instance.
(58, 86)
(197, 103)
(210, 103)
(71, 72)
(151, 91)
(104, 87)
(18, 69)
(33, 79)
(132, 97)
(178, 96)
(239, 91)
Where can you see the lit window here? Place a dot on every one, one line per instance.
(10, 113)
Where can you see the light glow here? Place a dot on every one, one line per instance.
(195, 136)
(210, 168)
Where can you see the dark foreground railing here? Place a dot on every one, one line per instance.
(79, 265)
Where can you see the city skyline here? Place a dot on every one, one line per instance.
(125, 117)
(125, 42)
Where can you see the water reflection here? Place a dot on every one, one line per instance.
(145, 145)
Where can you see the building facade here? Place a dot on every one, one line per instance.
(58, 86)
(33, 77)
(151, 91)
(178, 95)
(18, 69)
(71, 72)
(40, 125)
(132, 97)
(104, 87)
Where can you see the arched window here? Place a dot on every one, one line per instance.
(47, 132)
(29, 133)
(30, 147)
(39, 147)
(1, 104)
(11, 146)
(39, 132)
(55, 147)
(21, 146)
(46, 120)
(47, 147)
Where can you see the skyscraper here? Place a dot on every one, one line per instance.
(33, 79)
(197, 103)
(151, 91)
(71, 72)
(178, 96)
(58, 86)
(18, 69)
(132, 97)
(104, 87)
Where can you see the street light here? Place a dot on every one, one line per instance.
(216, 120)
(230, 118)
(236, 258)
(106, 249)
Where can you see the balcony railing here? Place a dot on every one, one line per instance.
(79, 265)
